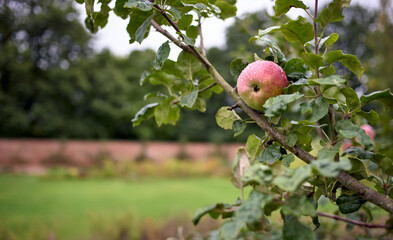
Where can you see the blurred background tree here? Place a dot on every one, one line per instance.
(53, 85)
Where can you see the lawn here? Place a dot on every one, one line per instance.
(67, 206)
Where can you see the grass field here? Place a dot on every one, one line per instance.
(67, 206)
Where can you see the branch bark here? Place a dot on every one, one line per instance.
(345, 179)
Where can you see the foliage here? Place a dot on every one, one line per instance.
(321, 96)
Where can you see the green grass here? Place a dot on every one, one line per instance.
(67, 206)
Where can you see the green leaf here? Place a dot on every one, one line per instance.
(299, 30)
(257, 174)
(385, 96)
(120, 10)
(156, 78)
(240, 165)
(189, 41)
(317, 109)
(225, 118)
(326, 165)
(276, 106)
(277, 53)
(327, 41)
(282, 6)
(296, 65)
(294, 229)
(250, 213)
(101, 17)
(143, 77)
(287, 160)
(296, 86)
(291, 140)
(350, 61)
(299, 206)
(141, 31)
(351, 98)
(166, 112)
(312, 60)
(349, 203)
(162, 55)
(253, 146)
(192, 32)
(332, 80)
(327, 70)
(349, 130)
(238, 127)
(333, 12)
(372, 117)
(292, 179)
(359, 153)
(215, 210)
(270, 155)
(189, 99)
(145, 113)
(144, 5)
(137, 18)
(188, 64)
(185, 21)
(227, 10)
(237, 67)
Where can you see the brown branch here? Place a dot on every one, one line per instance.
(173, 24)
(345, 179)
(332, 119)
(359, 223)
(201, 38)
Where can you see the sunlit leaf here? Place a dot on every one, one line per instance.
(225, 118)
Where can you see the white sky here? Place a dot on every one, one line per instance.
(115, 37)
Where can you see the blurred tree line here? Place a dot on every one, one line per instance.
(53, 85)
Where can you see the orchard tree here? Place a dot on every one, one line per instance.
(354, 179)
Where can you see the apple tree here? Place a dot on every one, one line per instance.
(354, 180)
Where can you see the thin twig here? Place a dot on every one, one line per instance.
(173, 24)
(355, 222)
(332, 119)
(203, 50)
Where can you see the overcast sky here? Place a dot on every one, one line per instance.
(115, 37)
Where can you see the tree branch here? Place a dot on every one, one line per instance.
(345, 179)
(359, 223)
(201, 37)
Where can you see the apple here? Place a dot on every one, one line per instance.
(369, 131)
(260, 81)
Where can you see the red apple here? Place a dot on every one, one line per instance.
(260, 81)
(369, 131)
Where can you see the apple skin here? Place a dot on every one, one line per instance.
(260, 81)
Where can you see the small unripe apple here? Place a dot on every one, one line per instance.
(260, 81)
